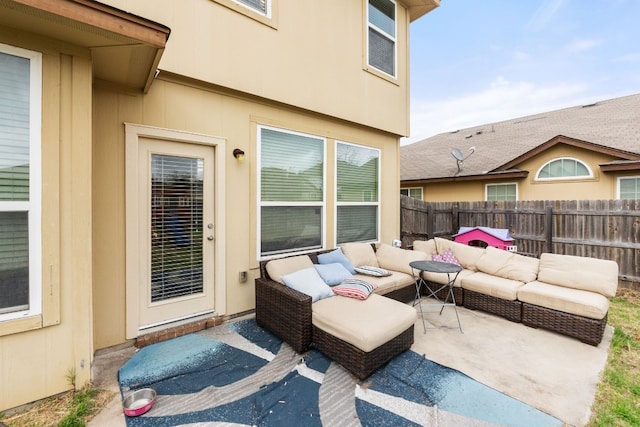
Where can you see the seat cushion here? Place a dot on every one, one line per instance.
(589, 274)
(443, 279)
(365, 324)
(494, 286)
(387, 284)
(574, 301)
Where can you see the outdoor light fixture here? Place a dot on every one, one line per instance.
(238, 154)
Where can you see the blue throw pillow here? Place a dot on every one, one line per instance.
(336, 256)
(309, 282)
(332, 274)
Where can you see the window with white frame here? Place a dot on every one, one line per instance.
(357, 193)
(292, 195)
(20, 176)
(629, 188)
(261, 6)
(501, 192)
(564, 168)
(381, 38)
(415, 192)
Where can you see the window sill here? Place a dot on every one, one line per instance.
(25, 324)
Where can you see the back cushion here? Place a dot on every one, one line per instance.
(589, 274)
(283, 266)
(397, 259)
(426, 246)
(360, 254)
(467, 256)
(508, 265)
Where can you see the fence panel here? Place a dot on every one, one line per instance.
(606, 229)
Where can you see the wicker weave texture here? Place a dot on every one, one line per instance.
(285, 312)
(589, 331)
(360, 363)
(511, 310)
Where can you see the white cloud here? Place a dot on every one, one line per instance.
(544, 14)
(501, 100)
(581, 45)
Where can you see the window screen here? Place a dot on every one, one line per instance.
(291, 191)
(357, 181)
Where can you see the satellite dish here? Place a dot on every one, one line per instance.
(457, 154)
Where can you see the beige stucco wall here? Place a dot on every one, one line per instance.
(38, 355)
(175, 105)
(601, 186)
(311, 55)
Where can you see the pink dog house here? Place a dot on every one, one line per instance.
(484, 236)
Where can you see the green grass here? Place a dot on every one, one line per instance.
(618, 399)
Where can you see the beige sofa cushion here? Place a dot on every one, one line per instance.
(387, 284)
(360, 254)
(426, 246)
(467, 256)
(442, 278)
(589, 274)
(396, 259)
(494, 286)
(508, 265)
(366, 324)
(283, 266)
(573, 301)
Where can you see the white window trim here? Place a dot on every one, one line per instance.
(561, 178)
(620, 178)
(335, 191)
(267, 12)
(34, 205)
(385, 34)
(413, 188)
(486, 189)
(322, 204)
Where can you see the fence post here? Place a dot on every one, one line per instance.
(430, 221)
(549, 228)
(455, 218)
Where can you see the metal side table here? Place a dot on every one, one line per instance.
(436, 267)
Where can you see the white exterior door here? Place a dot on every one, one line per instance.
(177, 231)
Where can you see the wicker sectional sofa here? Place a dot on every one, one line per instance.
(341, 327)
(563, 293)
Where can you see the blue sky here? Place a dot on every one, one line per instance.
(482, 61)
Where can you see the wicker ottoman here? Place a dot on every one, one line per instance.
(362, 335)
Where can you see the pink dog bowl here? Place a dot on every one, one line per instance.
(139, 402)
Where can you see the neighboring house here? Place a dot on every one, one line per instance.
(579, 153)
(124, 210)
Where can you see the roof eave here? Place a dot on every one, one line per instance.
(419, 8)
(513, 174)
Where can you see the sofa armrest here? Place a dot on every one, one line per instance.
(285, 312)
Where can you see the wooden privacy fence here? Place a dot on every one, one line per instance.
(605, 229)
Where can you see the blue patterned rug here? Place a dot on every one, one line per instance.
(239, 374)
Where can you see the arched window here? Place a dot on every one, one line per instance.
(564, 167)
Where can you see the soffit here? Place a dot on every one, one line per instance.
(125, 49)
(419, 8)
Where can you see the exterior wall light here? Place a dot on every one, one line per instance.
(238, 154)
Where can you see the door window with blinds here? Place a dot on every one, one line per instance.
(291, 205)
(381, 16)
(357, 192)
(20, 105)
(176, 226)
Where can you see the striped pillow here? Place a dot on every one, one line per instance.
(373, 271)
(355, 288)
